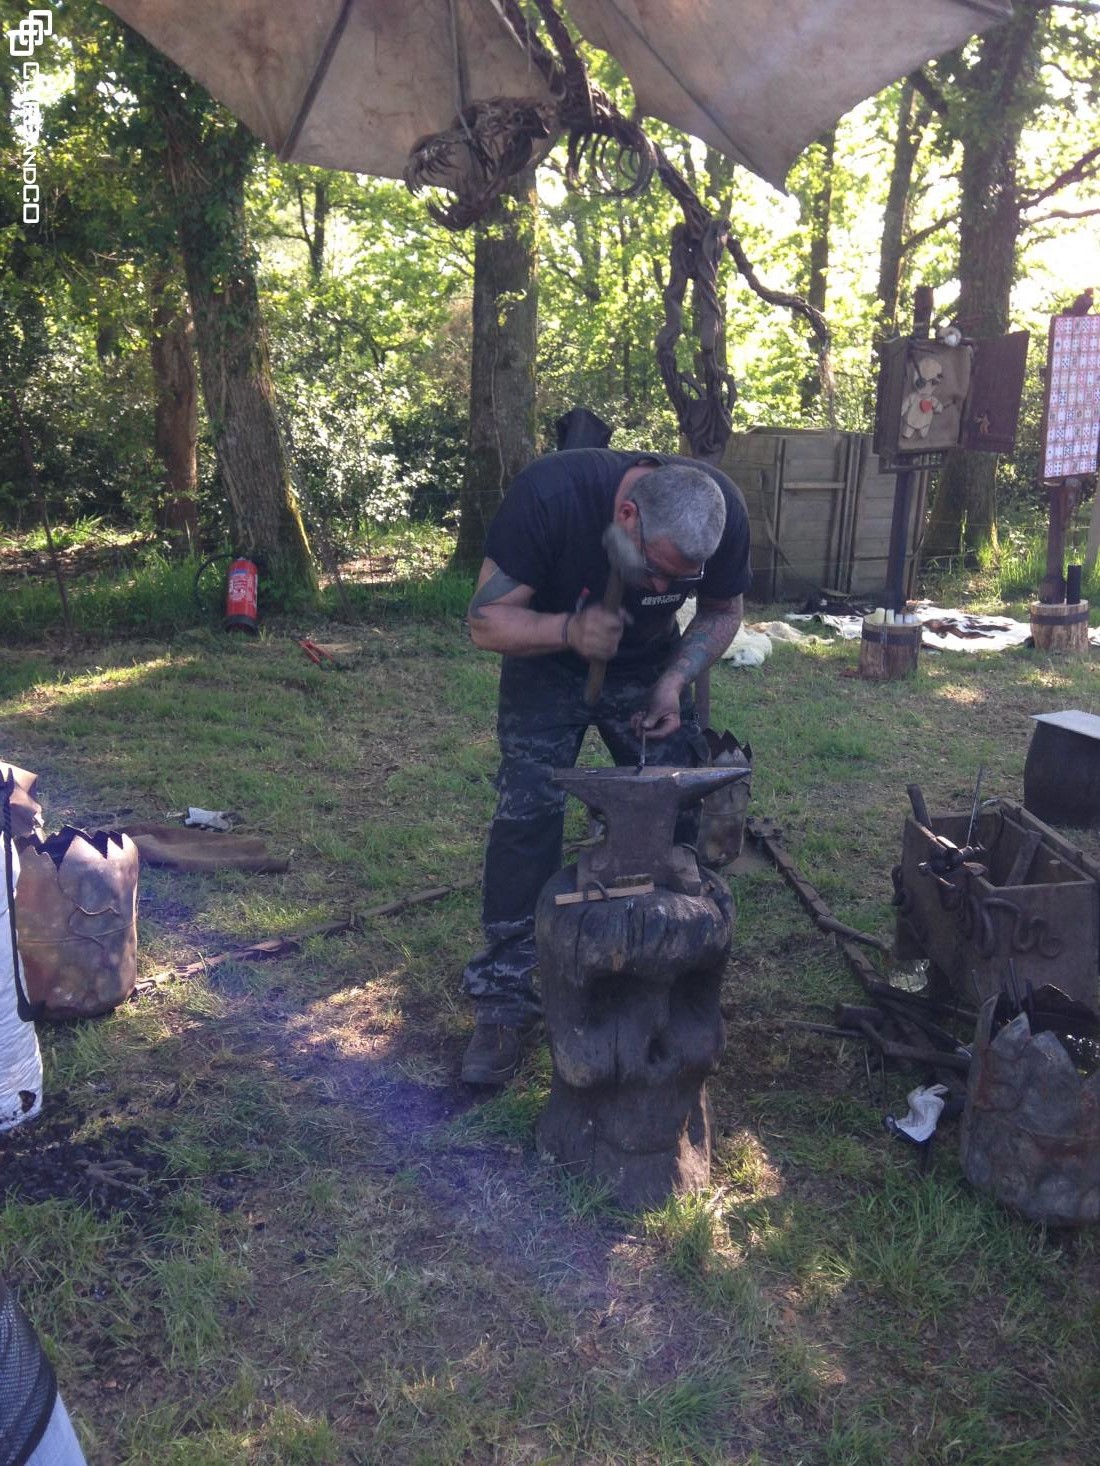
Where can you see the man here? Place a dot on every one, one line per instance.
(35, 1429)
(538, 602)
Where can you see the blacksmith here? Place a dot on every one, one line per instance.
(538, 603)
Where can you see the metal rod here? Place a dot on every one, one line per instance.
(899, 526)
(702, 697)
(919, 807)
(974, 806)
(903, 490)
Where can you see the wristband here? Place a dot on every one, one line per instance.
(565, 628)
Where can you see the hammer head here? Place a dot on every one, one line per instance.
(624, 554)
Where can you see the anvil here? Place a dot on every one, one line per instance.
(639, 809)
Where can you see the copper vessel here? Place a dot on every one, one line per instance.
(76, 911)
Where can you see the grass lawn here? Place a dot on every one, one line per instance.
(331, 1251)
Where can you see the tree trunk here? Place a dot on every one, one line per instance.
(208, 165)
(820, 208)
(502, 370)
(313, 230)
(964, 514)
(718, 172)
(912, 120)
(626, 327)
(176, 415)
(587, 241)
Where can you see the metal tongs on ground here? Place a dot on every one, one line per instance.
(316, 654)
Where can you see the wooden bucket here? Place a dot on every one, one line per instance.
(889, 652)
(1061, 628)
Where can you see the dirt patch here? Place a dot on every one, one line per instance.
(119, 1169)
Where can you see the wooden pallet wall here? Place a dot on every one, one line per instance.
(820, 512)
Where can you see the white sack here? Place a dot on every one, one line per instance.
(20, 1056)
(749, 648)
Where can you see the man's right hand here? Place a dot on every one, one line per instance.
(595, 633)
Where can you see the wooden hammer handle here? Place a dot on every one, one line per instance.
(612, 601)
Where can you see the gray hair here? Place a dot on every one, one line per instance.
(684, 505)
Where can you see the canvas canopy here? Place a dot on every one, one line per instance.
(353, 84)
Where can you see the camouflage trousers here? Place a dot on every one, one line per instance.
(542, 718)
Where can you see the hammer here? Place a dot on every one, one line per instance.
(627, 568)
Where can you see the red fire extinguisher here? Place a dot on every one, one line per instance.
(240, 597)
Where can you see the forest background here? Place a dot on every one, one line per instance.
(180, 278)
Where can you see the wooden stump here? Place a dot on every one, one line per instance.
(889, 652)
(1031, 1126)
(1061, 629)
(630, 993)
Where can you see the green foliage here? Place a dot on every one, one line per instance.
(74, 329)
(153, 596)
(367, 303)
(1019, 562)
(139, 591)
(347, 1256)
(368, 347)
(509, 1116)
(596, 342)
(88, 423)
(446, 593)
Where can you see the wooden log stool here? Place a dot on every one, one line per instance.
(630, 995)
(887, 652)
(1061, 629)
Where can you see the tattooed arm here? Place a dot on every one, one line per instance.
(500, 619)
(712, 629)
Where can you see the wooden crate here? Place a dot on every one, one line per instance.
(820, 512)
(973, 926)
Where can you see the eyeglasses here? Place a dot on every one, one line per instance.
(674, 581)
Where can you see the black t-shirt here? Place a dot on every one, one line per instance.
(548, 534)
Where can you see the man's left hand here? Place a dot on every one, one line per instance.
(662, 717)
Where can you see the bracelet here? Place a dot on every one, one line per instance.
(565, 628)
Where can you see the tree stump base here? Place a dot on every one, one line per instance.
(1061, 629)
(889, 652)
(630, 994)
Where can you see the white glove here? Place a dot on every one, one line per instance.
(925, 1109)
(207, 819)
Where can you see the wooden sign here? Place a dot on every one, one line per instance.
(921, 388)
(1071, 410)
(996, 385)
(933, 397)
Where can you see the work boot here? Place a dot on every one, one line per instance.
(494, 1053)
